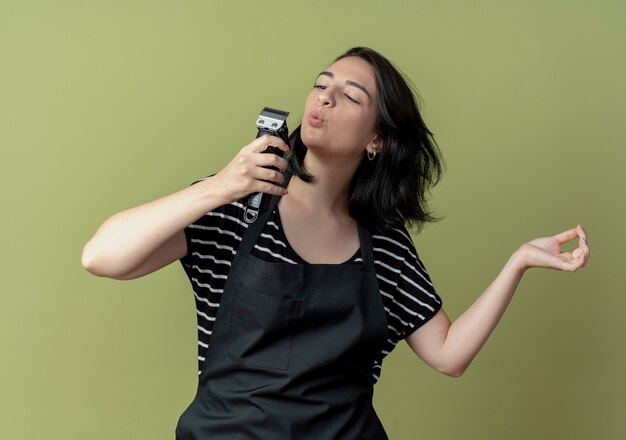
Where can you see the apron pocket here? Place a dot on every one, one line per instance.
(261, 329)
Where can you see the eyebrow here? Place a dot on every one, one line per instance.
(351, 83)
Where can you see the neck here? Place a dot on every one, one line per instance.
(329, 192)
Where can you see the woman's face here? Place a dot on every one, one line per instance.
(341, 111)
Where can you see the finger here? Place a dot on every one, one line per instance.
(269, 188)
(566, 236)
(584, 256)
(578, 252)
(585, 253)
(560, 262)
(565, 262)
(583, 245)
(571, 266)
(582, 234)
(270, 160)
(262, 143)
(269, 175)
(581, 253)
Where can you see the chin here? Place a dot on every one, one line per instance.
(309, 139)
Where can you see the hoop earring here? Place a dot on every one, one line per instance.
(373, 155)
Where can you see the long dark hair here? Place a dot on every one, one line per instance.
(392, 189)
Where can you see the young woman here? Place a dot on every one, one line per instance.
(297, 310)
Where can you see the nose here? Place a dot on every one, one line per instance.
(325, 98)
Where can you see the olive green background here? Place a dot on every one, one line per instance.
(108, 104)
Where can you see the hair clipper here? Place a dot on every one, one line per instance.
(274, 123)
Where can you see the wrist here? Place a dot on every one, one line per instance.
(212, 193)
(518, 261)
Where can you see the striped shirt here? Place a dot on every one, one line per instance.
(408, 295)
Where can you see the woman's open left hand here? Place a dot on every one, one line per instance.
(546, 251)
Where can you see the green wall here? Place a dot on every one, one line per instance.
(105, 105)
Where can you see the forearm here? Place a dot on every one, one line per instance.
(469, 332)
(128, 238)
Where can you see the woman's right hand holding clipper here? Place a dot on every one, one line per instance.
(248, 172)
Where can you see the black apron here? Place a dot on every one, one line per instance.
(292, 351)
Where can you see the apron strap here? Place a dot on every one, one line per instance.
(255, 229)
(367, 251)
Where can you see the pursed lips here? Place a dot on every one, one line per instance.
(316, 119)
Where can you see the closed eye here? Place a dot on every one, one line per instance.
(351, 98)
(324, 87)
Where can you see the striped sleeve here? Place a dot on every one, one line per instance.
(409, 297)
(212, 242)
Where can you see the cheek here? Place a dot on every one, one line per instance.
(355, 134)
(361, 124)
(310, 100)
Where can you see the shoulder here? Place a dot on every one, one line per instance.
(396, 258)
(396, 255)
(394, 243)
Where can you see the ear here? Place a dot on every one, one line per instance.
(375, 145)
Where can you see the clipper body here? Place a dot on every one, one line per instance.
(272, 122)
